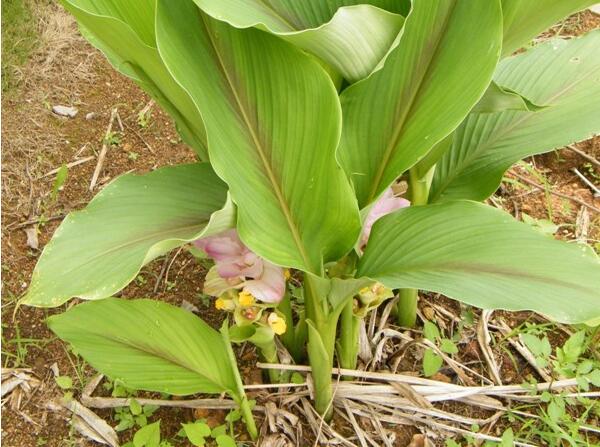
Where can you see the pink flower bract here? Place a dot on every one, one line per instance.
(386, 204)
(243, 268)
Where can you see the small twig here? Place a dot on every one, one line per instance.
(137, 134)
(120, 122)
(558, 194)
(102, 155)
(440, 426)
(505, 330)
(69, 165)
(587, 182)
(584, 155)
(484, 339)
(35, 221)
(431, 388)
(169, 268)
(115, 402)
(147, 107)
(357, 429)
(375, 421)
(162, 272)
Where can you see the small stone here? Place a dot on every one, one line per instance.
(595, 8)
(186, 305)
(70, 112)
(32, 237)
(90, 116)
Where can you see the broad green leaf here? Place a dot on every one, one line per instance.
(499, 99)
(320, 361)
(421, 94)
(148, 436)
(431, 362)
(148, 345)
(508, 438)
(563, 76)
(124, 32)
(284, 16)
(448, 346)
(225, 441)
(431, 331)
(572, 349)
(595, 377)
(273, 122)
(424, 167)
(556, 410)
(482, 256)
(353, 41)
(59, 181)
(196, 432)
(525, 19)
(97, 251)
(540, 347)
(135, 407)
(64, 382)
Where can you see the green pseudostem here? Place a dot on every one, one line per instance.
(347, 346)
(240, 394)
(268, 354)
(348, 342)
(322, 327)
(292, 338)
(418, 190)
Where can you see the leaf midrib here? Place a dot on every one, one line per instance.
(159, 354)
(482, 268)
(129, 243)
(467, 161)
(399, 128)
(260, 150)
(267, 5)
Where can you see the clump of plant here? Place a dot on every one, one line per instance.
(304, 117)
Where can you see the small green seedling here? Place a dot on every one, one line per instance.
(539, 347)
(199, 432)
(432, 362)
(144, 117)
(112, 139)
(133, 415)
(65, 383)
(59, 181)
(148, 436)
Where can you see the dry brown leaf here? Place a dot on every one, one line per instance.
(276, 441)
(93, 423)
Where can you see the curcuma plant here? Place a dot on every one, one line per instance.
(304, 116)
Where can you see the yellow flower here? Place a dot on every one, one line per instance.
(246, 299)
(224, 304)
(286, 273)
(277, 323)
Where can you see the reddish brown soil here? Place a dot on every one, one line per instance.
(35, 141)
